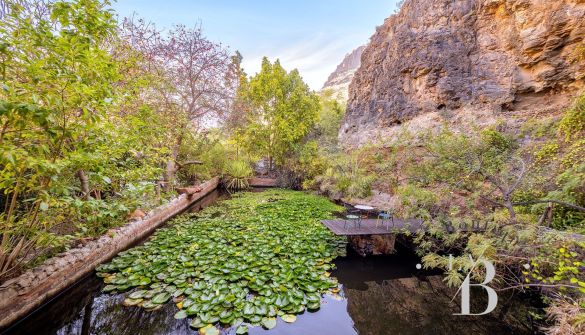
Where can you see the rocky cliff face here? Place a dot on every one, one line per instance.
(340, 79)
(479, 59)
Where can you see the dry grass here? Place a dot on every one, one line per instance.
(567, 317)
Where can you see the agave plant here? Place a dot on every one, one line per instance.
(237, 174)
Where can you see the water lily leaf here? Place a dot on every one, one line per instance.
(269, 323)
(261, 310)
(137, 294)
(313, 305)
(182, 314)
(109, 288)
(243, 329)
(278, 260)
(208, 318)
(161, 298)
(132, 302)
(249, 310)
(209, 330)
(289, 318)
(149, 304)
(197, 323)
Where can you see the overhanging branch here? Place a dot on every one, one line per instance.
(566, 204)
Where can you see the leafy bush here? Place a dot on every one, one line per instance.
(345, 178)
(573, 121)
(302, 165)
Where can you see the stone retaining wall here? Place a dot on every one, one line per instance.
(21, 295)
(262, 182)
(367, 245)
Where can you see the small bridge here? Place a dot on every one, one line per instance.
(342, 227)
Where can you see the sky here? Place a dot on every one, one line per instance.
(311, 36)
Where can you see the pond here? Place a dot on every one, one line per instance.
(378, 295)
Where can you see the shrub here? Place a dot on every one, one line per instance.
(345, 177)
(574, 120)
(236, 175)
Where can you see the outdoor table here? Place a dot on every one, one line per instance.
(363, 208)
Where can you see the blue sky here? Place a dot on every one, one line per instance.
(312, 36)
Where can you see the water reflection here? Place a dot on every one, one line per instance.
(381, 295)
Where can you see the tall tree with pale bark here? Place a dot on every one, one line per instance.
(196, 81)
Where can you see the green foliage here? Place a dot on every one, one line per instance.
(486, 179)
(562, 154)
(209, 149)
(280, 110)
(570, 188)
(565, 269)
(57, 84)
(301, 166)
(250, 258)
(573, 123)
(481, 164)
(237, 173)
(546, 152)
(345, 177)
(79, 148)
(416, 201)
(330, 118)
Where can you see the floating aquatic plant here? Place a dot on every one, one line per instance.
(248, 260)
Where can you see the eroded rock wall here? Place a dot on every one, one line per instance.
(489, 56)
(340, 79)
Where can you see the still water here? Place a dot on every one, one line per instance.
(379, 295)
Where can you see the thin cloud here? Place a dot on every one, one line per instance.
(315, 57)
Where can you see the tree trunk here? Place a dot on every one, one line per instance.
(546, 216)
(510, 207)
(84, 183)
(171, 169)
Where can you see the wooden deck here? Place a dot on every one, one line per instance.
(368, 227)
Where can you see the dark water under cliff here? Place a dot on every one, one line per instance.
(380, 295)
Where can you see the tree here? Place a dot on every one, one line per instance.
(280, 111)
(56, 87)
(195, 81)
(330, 119)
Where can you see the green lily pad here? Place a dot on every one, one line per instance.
(269, 323)
(289, 318)
(109, 288)
(161, 298)
(132, 302)
(182, 314)
(197, 323)
(246, 259)
(209, 330)
(241, 330)
(137, 294)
